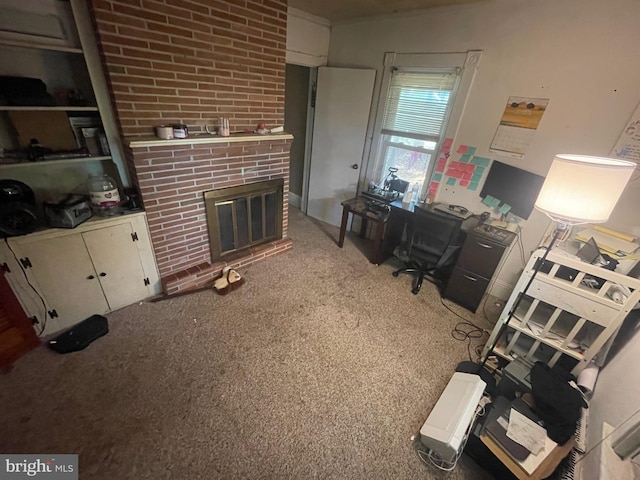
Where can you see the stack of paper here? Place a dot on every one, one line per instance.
(612, 244)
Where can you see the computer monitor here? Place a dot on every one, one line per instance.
(513, 186)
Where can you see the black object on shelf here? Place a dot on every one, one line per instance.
(24, 91)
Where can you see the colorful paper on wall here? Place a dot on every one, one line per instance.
(488, 200)
(440, 166)
(465, 158)
(451, 181)
(481, 161)
(437, 177)
(473, 185)
(504, 209)
(471, 151)
(464, 183)
(462, 149)
(446, 145)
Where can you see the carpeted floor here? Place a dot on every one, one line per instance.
(321, 366)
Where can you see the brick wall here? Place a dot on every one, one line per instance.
(192, 61)
(172, 181)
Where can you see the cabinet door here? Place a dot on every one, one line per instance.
(64, 272)
(116, 259)
(16, 333)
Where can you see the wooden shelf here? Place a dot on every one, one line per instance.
(199, 139)
(39, 46)
(64, 108)
(4, 166)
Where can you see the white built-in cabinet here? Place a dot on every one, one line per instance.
(64, 276)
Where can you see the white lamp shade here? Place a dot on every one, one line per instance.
(583, 189)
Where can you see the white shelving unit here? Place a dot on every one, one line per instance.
(70, 61)
(570, 312)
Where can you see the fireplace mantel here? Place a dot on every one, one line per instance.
(203, 139)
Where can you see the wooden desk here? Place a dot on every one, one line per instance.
(544, 470)
(358, 206)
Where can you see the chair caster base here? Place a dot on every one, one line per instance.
(395, 274)
(415, 291)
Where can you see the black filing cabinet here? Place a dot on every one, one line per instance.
(480, 255)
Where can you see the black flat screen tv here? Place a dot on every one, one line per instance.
(513, 186)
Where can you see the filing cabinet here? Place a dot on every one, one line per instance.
(481, 253)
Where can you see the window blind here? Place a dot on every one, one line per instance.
(418, 104)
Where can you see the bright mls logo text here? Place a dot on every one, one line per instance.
(38, 466)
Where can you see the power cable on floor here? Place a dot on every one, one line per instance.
(465, 331)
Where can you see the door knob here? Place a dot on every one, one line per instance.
(102, 274)
(354, 166)
(90, 277)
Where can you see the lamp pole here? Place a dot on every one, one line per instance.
(561, 228)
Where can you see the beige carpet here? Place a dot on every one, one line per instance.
(321, 366)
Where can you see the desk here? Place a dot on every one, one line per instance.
(481, 253)
(358, 206)
(544, 470)
(534, 467)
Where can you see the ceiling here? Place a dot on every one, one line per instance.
(343, 10)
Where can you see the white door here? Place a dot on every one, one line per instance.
(343, 102)
(117, 262)
(63, 270)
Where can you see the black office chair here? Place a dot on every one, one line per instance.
(433, 243)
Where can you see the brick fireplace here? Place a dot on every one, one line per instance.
(192, 61)
(173, 181)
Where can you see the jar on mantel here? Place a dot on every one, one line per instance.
(104, 195)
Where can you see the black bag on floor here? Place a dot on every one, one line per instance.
(81, 335)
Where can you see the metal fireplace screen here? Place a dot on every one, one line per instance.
(244, 216)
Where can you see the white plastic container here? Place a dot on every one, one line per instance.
(104, 195)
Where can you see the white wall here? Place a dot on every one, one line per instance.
(307, 39)
(616, 396)
(581, 54)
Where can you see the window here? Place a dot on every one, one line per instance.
(417, 108)
(420, 104)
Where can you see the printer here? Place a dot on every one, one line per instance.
(68, 212)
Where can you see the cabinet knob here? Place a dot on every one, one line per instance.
(102, 274)
(90, 277)
(484, 245)
(470, 278)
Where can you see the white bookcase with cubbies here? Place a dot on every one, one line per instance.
(568, 315)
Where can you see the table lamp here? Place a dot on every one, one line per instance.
(577, 189)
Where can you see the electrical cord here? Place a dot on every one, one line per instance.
(44, 305)
(582, 457)
(460, 333)
(523, 257)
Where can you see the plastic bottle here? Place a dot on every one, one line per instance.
(407, 196)
(415, 193)
(104, 195)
